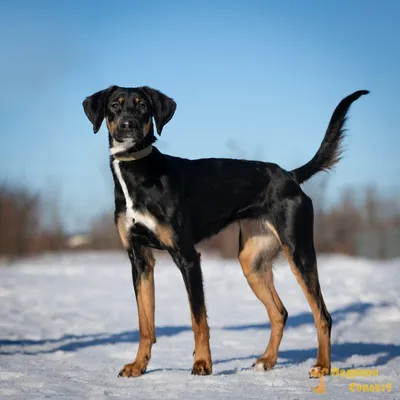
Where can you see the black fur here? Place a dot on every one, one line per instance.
(330, 150)
(198, 198)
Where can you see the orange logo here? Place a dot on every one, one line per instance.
(353, 386)
(321, 388)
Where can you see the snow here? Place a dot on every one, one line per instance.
(68, 323)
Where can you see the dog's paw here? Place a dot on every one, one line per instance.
(317, 371)
(201, 367)
(264, 364)
(134, 369)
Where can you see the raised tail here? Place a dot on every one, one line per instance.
(329, 153)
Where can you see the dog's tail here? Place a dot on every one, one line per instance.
(329, 153)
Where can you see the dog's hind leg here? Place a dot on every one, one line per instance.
(298, 247)
(256, 252)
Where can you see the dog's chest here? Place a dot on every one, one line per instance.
(133, 215)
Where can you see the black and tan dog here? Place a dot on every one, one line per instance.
(171, 203)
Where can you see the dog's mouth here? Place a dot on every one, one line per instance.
(120, 139)
(124, 137)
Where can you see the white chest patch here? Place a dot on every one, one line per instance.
(132, 214)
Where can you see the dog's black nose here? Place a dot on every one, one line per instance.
(126, 125)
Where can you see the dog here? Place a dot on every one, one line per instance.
(171, 203)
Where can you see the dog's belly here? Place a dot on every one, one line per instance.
(206, 227)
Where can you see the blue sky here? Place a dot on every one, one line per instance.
(260, 76)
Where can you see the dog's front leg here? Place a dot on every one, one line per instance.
(188, 261)
(142, 261)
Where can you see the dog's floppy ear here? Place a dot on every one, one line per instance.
(163, 107)
(94, 107)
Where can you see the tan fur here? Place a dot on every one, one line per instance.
(121, 100)
(146, 306)
(261, 282)
(318, 309)
(273, 230)
(202, 353)
(164, 234)
(258, 238)
(112, 126)
(121, 227)
(147, 128)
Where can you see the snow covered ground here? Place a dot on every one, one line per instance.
(68, 323)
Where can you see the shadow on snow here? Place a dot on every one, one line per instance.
(340, 351)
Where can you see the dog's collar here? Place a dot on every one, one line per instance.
(138, 155)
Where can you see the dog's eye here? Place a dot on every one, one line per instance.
(114, 105)
(142, 106)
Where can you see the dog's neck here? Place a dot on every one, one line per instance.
(126, 152)
(133, 156)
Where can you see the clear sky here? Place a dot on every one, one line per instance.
(260, 76)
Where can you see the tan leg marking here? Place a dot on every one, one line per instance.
(202, 354)
(263, 287)
(277, 315)
(121, 227)
(319, 311)
(146, 306)
(256, 258)
(165, 235)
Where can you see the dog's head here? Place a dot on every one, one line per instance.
(129, 114)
